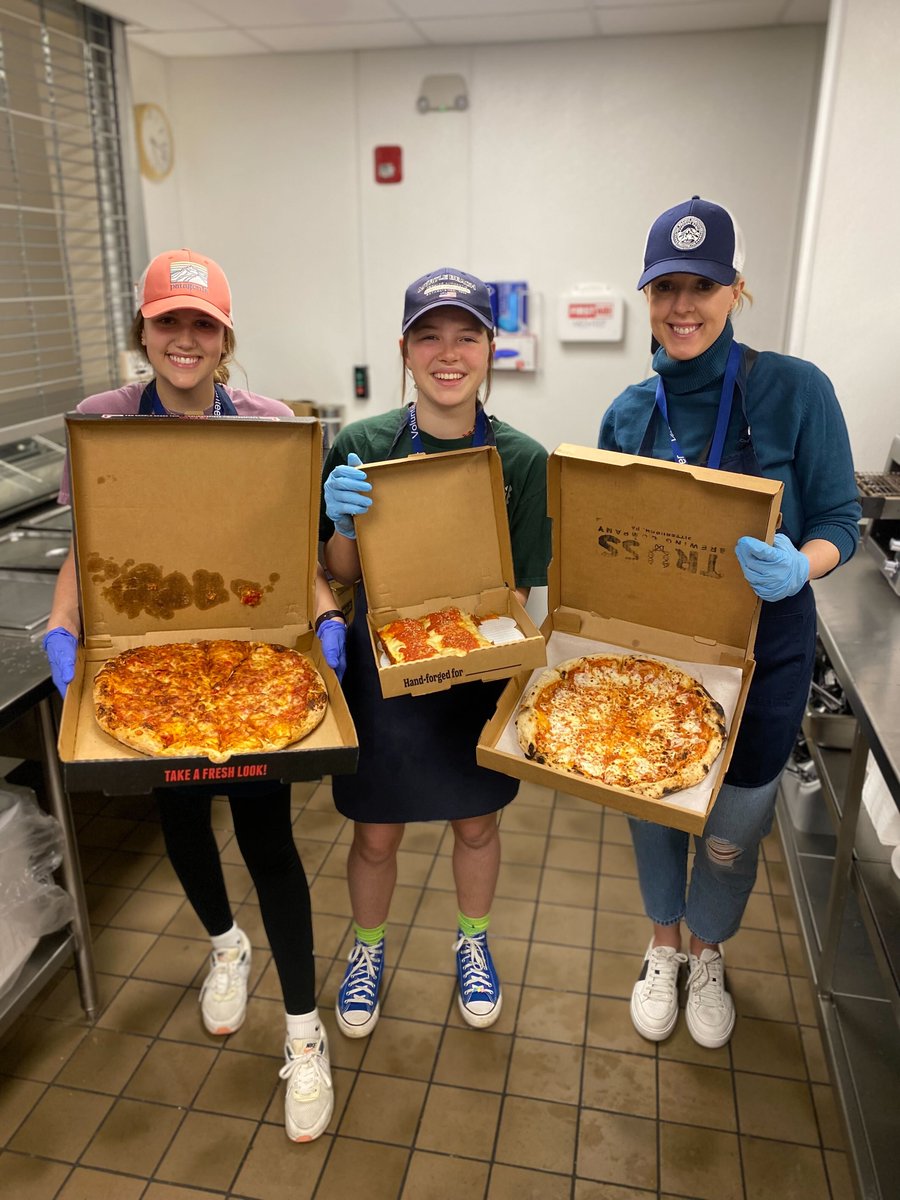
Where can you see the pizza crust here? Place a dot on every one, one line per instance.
(621, 720)
(209, 699)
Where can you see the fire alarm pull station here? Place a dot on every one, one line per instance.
(388, 164)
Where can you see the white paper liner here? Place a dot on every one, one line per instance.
(722, 683)
(500, 631)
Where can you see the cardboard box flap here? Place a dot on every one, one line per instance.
(652, 543)
(191, 525)
(437, 527)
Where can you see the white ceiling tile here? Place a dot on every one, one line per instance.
(806, 12)
(261, 14)
(688, 17)
(484, 10)
(532, 27)
(374, 35)
(212, 43)
(160, 14)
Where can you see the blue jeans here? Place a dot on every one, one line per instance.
(725, 862)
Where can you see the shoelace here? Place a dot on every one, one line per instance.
(706, 982)
(225, 976)
(661, 979)
(474, 967)
(305, 1070)
(363, 976)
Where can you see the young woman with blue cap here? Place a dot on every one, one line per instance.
(417, 753)
(184, 328)
(718, 403)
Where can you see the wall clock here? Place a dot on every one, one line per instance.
(156, 146)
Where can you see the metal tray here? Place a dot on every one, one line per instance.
(33, 549)
(25, 600)
(57, 518)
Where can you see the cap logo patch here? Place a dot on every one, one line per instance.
(190, 275)
(688, 233)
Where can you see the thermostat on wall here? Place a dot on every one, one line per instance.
(591, 312)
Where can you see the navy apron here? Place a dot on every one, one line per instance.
(785, 638)
(417, 753)
(152, 406)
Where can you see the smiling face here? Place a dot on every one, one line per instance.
(184, 347)
(688, 312)
(447, 352)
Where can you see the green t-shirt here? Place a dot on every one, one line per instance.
(524, 477)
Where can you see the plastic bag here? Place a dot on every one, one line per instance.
(31, 903)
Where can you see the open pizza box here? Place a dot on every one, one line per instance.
(188, 530)
(437, 535)
(644, 563)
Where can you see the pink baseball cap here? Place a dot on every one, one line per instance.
(184, 279)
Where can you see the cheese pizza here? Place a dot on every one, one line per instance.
(449, 631)
(634, 723)
(209, 699)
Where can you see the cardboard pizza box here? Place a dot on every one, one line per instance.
(644, 563)
(187, 530)
(437, 535)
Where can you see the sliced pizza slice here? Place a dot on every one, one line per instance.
(406, 640)
(452, 631)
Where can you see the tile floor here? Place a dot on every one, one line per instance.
(560, 1099)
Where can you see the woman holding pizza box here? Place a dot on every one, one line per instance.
(417, 753)
(717, 403)
(184, 328)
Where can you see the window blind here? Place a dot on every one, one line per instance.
(65, 279)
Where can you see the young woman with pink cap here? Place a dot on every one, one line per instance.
(720, 404)
(184, 328)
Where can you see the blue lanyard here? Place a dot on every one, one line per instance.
(151, 405)
(479, 438)
(714, 457)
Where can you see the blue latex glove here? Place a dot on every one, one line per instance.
(333, 636)
(772, 571)
(60, 646)
(344, 495)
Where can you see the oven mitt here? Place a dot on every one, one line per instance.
(333, 636)
(344, 497)
(60, 646)
(773, 572)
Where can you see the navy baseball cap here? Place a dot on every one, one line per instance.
(699, 237)
(446, 286)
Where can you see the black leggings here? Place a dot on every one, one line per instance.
(262, 825)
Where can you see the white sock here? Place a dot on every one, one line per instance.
(303, 1027)
(228, 940)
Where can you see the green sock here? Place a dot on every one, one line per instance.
(472, 926)
(371, 937)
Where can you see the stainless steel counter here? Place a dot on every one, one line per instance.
(847, 896)
(859, 625)
(25, 683)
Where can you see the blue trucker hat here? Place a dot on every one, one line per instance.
(447, 286)
(699, 237)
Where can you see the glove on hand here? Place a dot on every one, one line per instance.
(333, 636)
(60, 646)
(344, 496)
(773, 572)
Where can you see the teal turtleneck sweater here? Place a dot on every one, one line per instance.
(796, 425)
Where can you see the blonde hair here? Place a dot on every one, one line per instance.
(404, 346)
(229, 344)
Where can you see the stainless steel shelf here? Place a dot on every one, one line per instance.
(847, 897)
(51, 954)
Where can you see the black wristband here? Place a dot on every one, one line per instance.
(332, 612)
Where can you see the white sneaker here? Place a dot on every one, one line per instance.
(709, 1011)
(309, 1096)
(223, 997)
(654, 998)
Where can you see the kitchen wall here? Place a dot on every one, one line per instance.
(567, 152)
(847, 313)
